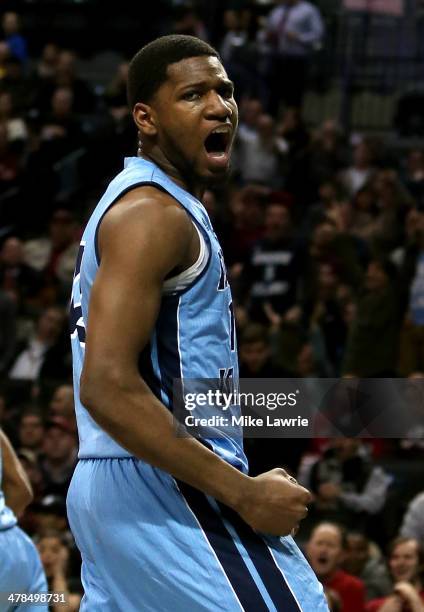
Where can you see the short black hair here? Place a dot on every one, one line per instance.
(148, 67)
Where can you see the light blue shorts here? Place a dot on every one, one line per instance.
(150, 544)
(20, 569)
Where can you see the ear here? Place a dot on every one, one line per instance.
(145, 119)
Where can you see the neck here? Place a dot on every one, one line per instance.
(329, 576)
(157, 156)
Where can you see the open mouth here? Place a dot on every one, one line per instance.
(322, 560)
(216, 144)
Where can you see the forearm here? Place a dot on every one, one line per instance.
(145, 427)
(17, 499)
(16, 486)
(374, 495)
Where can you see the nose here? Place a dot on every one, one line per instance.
(218, 107)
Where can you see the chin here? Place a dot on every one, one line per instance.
(211, 178)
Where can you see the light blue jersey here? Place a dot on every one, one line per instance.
(194, 336)
(148, 542)
(20, 566)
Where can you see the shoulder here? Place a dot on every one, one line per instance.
(417, 502)
(146, 214)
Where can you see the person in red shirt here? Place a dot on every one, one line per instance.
(406, 560)
(325, 553)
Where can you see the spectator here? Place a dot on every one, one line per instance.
(325, 554)
(360, 172)
(255, 354)
(256, 362)
(413, 520)
(246, 208)
(363, 560)
(59, 456)
(62, 402)
(294, 30)
(329, 202)
(325, 315)
(54, 256)
(308, 364)
(413, 177)
(41, 356)
(54, 554)
(292, 129)
(60, 131)
(270, 274)
(50, 514)
(66, 76)
(10, 162)
(363, 213)
(239, 54)
(348, 488)
(31, 432)
(330, 245)
(31, 466)
(16, 128)
(47, 64)
(371, 347)
(327, 153)
(4, 57)
(21, 282)
(250, 111)
(187, 21)
(258, 154)
(392, 203)
(405, 563)
(411, 358)
(18, 84)
(15, 41)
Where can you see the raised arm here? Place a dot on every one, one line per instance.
(16, 486)
(142, 240)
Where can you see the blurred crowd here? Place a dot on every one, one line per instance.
(323, 236)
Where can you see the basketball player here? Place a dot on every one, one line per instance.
(166, 523)
(20, 566)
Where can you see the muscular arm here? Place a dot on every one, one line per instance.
(141, 241)
(16, 486)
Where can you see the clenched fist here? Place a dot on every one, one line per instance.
(273, 503)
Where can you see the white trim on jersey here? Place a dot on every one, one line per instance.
(185, 278)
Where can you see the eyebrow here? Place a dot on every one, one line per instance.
(222, 82)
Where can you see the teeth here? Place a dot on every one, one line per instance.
(220, 130)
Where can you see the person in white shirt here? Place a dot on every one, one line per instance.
(294, 30)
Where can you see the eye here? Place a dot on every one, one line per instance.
(226, 91)
(191, 95)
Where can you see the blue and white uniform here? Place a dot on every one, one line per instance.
(148, 542)
(20, 566)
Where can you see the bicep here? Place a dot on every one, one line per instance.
(137, 252)
(123, 307)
